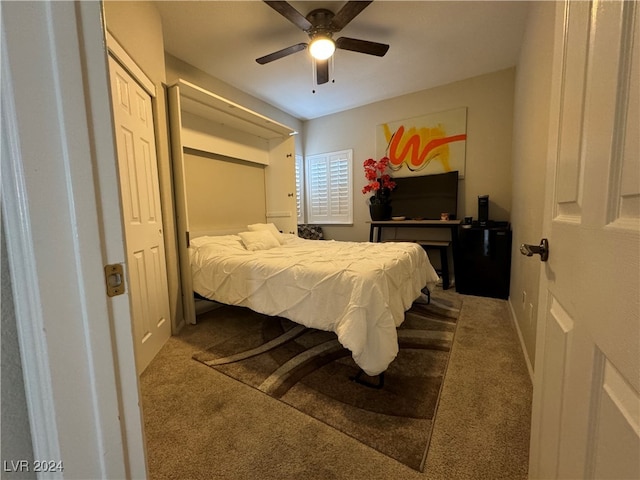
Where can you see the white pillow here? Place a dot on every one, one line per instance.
(269, 227)
(259, 240)
(231, 240)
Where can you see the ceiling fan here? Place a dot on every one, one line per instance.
(320, 25)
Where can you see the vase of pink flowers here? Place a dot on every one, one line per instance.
(380, 184)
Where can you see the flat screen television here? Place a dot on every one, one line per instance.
(425, 197)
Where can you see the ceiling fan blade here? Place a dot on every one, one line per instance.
(281, 53)
(322, 71)
(362, 46)
(291, 14)
(347, 13)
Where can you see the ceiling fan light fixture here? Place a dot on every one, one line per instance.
(322, 47)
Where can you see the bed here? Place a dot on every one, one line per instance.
(358, 290)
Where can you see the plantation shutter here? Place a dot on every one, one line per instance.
(300, 189)
(329, 188)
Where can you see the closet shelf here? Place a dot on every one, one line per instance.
(210, 106)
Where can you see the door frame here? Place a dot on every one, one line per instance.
(62, 219)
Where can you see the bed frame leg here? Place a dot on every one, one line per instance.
(357, 378)
(426, 291)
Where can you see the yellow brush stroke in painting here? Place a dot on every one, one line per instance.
(417, 147)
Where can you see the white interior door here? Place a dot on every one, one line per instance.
(586, 410)
(142, 215)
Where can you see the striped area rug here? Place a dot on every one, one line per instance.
(309, 370)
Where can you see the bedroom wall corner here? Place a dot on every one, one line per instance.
(138, 28)
(531, 123)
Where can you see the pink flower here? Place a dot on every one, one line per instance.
(370, 162)
(374, 173)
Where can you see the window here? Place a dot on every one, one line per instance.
(329, 197)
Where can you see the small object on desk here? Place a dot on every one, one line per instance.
(398, 218)
(444, 217)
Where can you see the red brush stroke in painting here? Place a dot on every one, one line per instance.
(413, 144)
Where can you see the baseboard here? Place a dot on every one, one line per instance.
(527, 360)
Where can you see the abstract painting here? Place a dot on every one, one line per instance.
(433, 143)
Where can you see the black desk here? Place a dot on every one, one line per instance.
(452, 225)
(380, 224)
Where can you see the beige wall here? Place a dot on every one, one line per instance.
(531, 122)
(138, 28)
(214, 196)
(489, 102)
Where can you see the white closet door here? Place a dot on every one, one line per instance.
(142, 215)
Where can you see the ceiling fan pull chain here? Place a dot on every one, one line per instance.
(313, 75)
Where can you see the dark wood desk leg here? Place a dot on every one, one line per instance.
(371, 232)
(379, 239)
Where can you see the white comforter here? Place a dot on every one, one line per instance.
(358, 290)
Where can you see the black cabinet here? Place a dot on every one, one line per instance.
(484, 261)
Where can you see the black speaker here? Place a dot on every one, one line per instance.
(483, 210)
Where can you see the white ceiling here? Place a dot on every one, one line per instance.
(432, 43)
